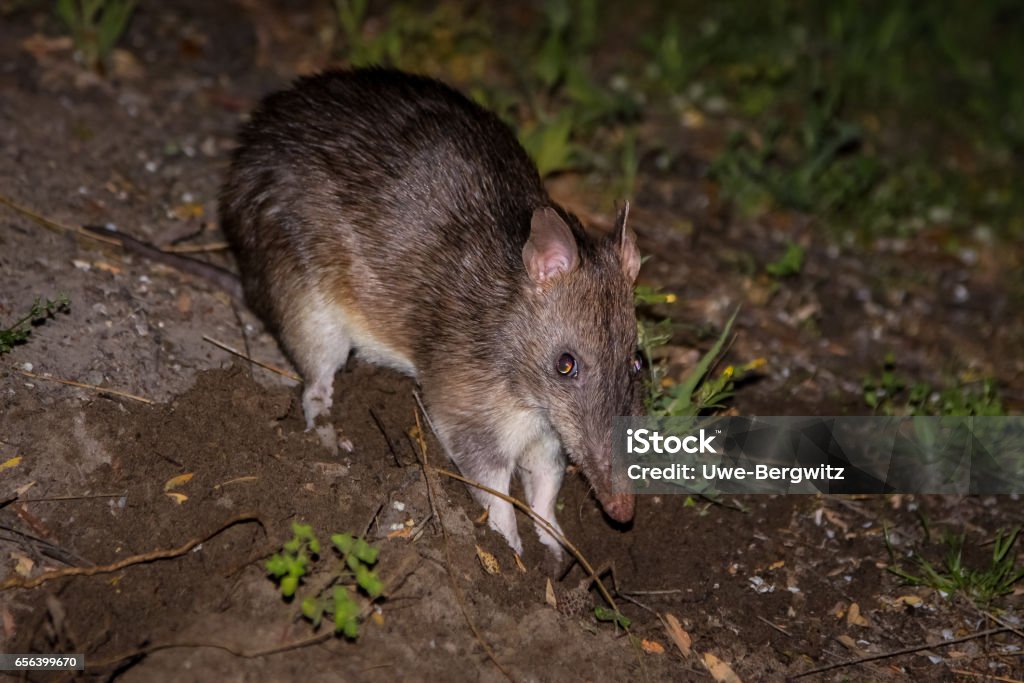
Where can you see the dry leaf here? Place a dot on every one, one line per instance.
(9, 625)
(652, 647)
(125, 66)
(519, 563)
(719, 670)
(400, 533)
(848, 642)
(854, 618)
(178, 498)
(909, 600)
(777, 565)
(23, 564)
(680, 637)
(549, 594)
(20, 491)
(836, 520)
(12, 462)
(40, 46)
(183, 303)
(488, 561)
(190, 210)
(175, 482)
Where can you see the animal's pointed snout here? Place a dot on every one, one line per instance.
(619, 506)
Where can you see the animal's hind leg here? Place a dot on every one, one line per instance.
(319, 345)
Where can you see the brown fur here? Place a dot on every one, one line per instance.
(387, 212)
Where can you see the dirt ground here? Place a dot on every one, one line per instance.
(771, 586)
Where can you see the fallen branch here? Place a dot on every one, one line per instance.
(24, 582)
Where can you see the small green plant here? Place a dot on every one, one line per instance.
(606, 614)
(699, 391)
(96, 26)
(42, 309)
(892, 394)
(405, 36)
(351, 15)
(789, 264)
(952, 576)
(353, 574)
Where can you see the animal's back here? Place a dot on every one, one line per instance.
(392, 196)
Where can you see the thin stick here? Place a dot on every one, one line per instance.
(896, 653)
(400, 572)
(247, 654)
(1004, 623)
(53, 225)
(576, 552)
(57, 226)
(195, 248)
(387, 439)
(775, 626)
(459, 597)
(265, 366)
(23, 582)
(82, 385)
(990, 677)
(526, 509)
(83, 496)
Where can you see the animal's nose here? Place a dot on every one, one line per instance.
(620, 506)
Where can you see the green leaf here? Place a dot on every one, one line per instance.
(365, 552)
(368, 581)
(791, 263)
(277, 565)
(313, 610)
(680, 401)
(289, 584)
(605, 614)
(343, 542)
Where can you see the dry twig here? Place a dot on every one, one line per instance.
(144, 558)
(895, 653)
(82, 385)
(459, 596)
(265, 366)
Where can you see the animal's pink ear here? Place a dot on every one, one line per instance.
(551, 251)
(629, 253)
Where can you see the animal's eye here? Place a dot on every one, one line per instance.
(566, 365)
(638, 362)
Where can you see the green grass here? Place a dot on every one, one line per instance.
(789, 264)
(884, 118)
(40, 311)
(951, 576)
(701, 390)
(890, 393)
(879, 119)
(96, 26)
